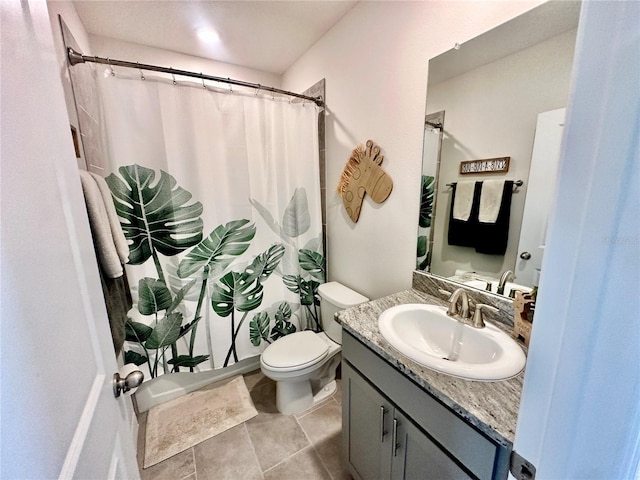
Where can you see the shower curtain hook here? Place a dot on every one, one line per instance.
(113, 74)
(172, 75)
(257, 89)
(230, 85)
(141, 72)
(202, 77)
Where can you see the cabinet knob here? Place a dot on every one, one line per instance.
(525, 255)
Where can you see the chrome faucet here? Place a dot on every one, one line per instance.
(504, 278)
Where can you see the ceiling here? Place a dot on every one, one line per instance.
(264, 35)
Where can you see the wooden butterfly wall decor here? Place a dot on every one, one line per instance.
(363, 174)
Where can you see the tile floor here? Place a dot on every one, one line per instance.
(269, 446)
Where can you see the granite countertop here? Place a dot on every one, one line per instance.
(492, 407)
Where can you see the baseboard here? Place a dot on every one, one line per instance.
(173, 385)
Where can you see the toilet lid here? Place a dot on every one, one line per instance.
(296, 350)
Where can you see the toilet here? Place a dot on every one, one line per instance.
(304, 363)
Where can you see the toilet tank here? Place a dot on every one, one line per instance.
(335, 297)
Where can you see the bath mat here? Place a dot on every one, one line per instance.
(180, 424)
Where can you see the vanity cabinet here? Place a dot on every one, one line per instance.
(392, 429)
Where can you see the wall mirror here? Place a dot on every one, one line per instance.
(501, 94)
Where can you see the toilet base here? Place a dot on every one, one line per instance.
(296, 397)
(293, 397)
(297, 391)
(325, 393)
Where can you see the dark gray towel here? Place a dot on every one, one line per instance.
(463, 233)
(492, 238)
(117, 299)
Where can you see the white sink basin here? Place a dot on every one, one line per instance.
(482, 285)
(428, 336)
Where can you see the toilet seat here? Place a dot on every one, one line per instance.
(295, 351)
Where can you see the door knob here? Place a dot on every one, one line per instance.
(525, 255)
(123, 385)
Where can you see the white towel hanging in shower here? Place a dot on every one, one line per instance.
(100, 229)
(119, 240)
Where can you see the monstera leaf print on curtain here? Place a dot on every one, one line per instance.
(424, 221)
(218, 195)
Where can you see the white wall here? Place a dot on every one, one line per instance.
(133, 52)
(375, 61)
(68, 12)
(491, 111)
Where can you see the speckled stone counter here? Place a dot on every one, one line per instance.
(492, 407)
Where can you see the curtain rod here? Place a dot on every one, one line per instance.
(75, 58)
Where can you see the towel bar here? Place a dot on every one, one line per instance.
(517, 183)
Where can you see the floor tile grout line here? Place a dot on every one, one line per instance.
(311, 410)
(195, 465)
(288, 458)
(330, 401)
(253, 448)
(284, 459)
(314, 447)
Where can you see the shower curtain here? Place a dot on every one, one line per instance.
(218, 194)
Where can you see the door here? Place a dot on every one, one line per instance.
(540, 195)
(59, 416)
(579, 413)
(366, 427)
(416, 456)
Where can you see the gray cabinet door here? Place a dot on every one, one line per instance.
(366, 427)
(415, 456)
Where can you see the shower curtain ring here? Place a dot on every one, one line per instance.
(172, 75)
(230, 85)
(257, 89)
(202, 77)
(113, 74)
(141, 72)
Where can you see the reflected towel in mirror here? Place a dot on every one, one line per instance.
(462, 200)
(492, 238)
(490, 200)
(489, 238)
(462, 232)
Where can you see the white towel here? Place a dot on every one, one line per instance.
(463, 200)
(490, 200)
(99, 221)
(120, 241)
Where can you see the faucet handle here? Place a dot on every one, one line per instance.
(478, 320)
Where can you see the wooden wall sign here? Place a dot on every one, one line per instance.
(488, 165)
